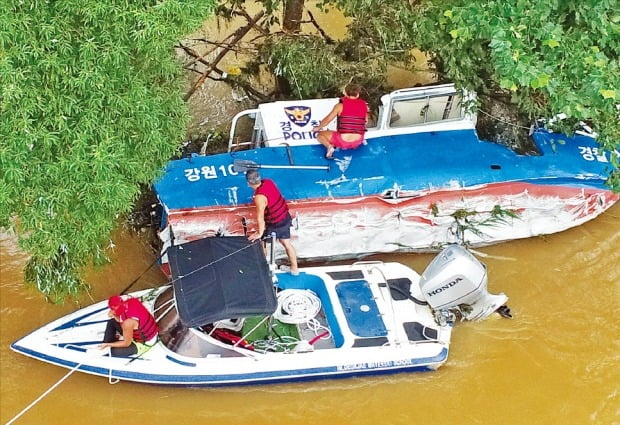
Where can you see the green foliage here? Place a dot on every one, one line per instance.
(227, 8)
(475, 221)
(91, 109)
(378, 31)
(55, 276)
(289, 56)
(314, 68)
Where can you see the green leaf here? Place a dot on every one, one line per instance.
(506, 83)
(551, 43)
(600, 63)
(543, 80)
(608, 94)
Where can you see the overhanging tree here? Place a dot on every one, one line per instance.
(547, 58)
(91, 110)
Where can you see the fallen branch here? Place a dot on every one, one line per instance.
(249, 89)
(258, 28)
(327, 38)
(238, 35)
(194, 54)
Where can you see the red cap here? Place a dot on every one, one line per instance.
(116, 304)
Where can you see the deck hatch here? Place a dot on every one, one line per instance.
(360, 309)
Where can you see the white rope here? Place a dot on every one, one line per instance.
(76, 367)
(296, 306)
(284, 342)
(315, 326)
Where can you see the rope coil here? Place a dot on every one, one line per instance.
(296, 306)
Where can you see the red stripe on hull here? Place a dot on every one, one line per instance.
(413, 222)
(229, 220)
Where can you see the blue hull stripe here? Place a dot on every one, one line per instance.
(411, 162)
(292, 375)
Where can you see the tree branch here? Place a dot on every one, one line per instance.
(249, 89)
(327, 38)
(238, 35)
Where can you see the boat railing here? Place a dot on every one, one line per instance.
(233, 139)
(111, 379)
(169, 306)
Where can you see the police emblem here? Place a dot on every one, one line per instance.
(298, 115)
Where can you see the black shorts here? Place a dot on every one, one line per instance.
(281, 229)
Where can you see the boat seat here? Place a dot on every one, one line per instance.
(360, 309)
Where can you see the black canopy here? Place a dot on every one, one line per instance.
(220, 278)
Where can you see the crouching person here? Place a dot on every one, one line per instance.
(132, 329)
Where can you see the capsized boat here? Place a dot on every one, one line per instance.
(422, 180)
(228, 318)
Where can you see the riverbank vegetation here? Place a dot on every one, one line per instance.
(539, 59)
(91, 112)
(94, 102)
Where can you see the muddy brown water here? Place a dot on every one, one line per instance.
(556, 362)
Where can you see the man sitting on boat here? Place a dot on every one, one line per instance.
(352, 113)
(272, 215)
(131, 328)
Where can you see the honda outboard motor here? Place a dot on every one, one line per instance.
(456, 282)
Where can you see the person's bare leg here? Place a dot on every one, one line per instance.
(324, 138)
(291, 253)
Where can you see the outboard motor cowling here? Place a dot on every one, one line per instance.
(455, 281)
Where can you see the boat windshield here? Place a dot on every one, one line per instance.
(407, 112)
(180, 339)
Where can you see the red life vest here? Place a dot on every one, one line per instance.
(352, 119)
(276, 210)
(147, 327)
(230, 338)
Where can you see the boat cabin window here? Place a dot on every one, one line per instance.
(409, 112)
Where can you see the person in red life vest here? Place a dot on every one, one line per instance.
(130, 320)
(272, 215)
(352, 114)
